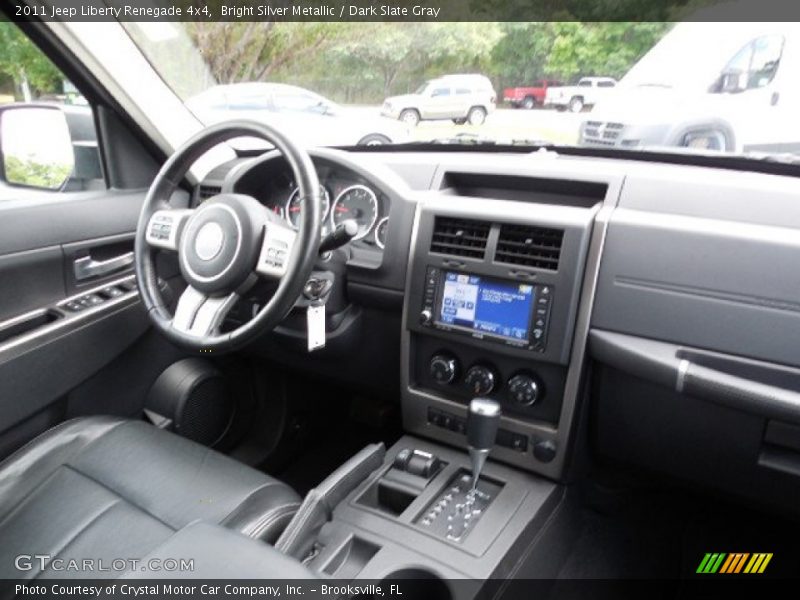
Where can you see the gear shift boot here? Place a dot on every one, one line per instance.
(457, 509)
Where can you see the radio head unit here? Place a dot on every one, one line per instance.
(506, 311)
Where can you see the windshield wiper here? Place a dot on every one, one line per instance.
(474, 139)
(785, 158)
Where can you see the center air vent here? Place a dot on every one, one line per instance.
(460, 237)
(206, 191)
(529, 246)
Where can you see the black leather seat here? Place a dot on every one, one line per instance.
(107, 488)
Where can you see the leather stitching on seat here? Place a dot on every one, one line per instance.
(80, 532)
(49, 434)
(120, 496)
(21, 451)
(24, 500)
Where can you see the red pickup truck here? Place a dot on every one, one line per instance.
(528, 97)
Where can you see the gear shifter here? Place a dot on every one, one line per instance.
(482, 422)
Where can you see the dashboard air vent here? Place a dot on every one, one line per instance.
(206, 191)
(460, 237)
(529, 246)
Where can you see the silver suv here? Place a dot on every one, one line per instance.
(460, 98)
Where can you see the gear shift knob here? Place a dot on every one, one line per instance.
(482, 422)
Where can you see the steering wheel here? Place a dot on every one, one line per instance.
(225, 245)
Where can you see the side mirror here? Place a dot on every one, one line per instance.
(733, 82)
(36, 146)
(323, 109)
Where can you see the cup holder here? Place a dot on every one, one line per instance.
(419, 583)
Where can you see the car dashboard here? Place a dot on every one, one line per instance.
(345, 195)
(630, 311)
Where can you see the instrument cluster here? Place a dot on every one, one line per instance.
(343, 196)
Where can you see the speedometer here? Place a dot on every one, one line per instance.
(293, 206)
(358, 203)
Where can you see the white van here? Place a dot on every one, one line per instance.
(700, 87)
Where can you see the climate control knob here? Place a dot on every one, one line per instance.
(443, 368)
(523, 389)
(480, 380)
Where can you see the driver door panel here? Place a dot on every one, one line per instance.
(46, 347)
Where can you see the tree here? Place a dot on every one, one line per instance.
(252, 51)
(521, 55)
(25, 64)
(29, 171)
(385, 51)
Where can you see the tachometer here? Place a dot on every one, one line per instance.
(359, 203)
(292, 211)
(380, 232)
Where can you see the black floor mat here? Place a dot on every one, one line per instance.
(327, 436)
(665, 534)
(325, 454)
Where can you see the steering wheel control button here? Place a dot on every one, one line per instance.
(208, 242)
(278, 242)
(165, 226)
(443, 369)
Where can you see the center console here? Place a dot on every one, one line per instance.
(414, 518)
(496, 310)
(492, 298)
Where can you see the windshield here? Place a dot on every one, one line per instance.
(685, 87)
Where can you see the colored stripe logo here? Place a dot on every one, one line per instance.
(736, 562)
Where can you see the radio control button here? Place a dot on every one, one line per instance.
(425, 317)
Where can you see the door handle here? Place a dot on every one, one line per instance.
(86, 267)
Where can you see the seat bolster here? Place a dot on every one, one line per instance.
(172, 480)
(32, 464)
(265, 513)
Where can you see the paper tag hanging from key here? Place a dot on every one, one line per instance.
(315, 324)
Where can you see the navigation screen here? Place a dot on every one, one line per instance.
(485, 305)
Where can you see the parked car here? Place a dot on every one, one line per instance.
(460, 98)
(310, 117)
(529, 97)
(737, 94)
(584, 94)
